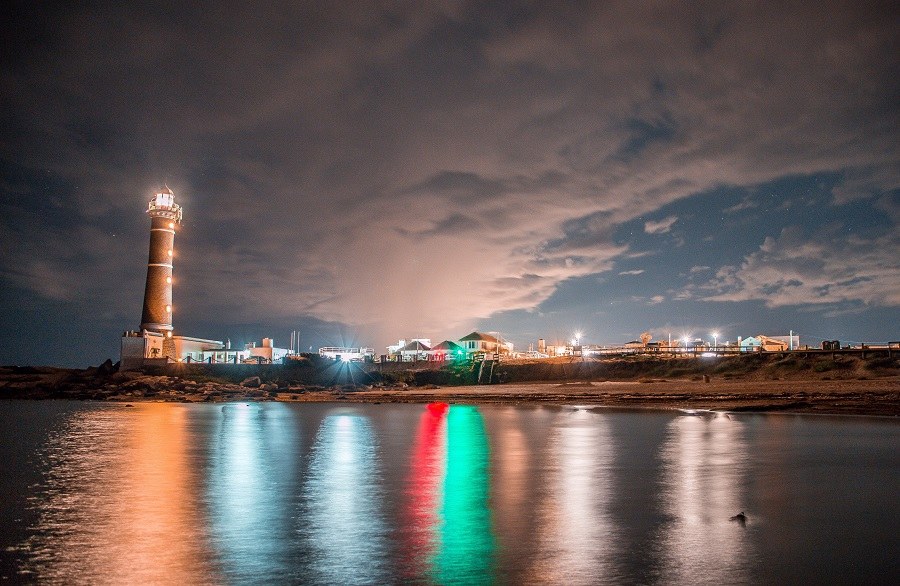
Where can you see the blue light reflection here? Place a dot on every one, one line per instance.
(254, 453)
(346, 531)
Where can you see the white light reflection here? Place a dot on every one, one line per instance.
(346, 531)
(253, 457)
(704, 471)
(577, 534)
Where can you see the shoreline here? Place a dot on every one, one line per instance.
(870, 397)
(849, 386)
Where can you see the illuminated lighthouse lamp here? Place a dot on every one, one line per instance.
(165, 202)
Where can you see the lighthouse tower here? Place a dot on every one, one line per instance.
(165, 216)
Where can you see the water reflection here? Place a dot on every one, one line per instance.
(344, 522)
(577, 535)
(448, 520)
(254, 451)
(704, 469)
(465, 552)
(281, 494)
(511, 459)
(116, 507)
(424, 490)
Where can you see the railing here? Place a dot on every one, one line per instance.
(172, 210)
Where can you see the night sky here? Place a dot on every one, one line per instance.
(368, 171)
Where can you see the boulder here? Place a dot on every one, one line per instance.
(107, 368)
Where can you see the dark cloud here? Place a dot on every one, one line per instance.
(418, 166)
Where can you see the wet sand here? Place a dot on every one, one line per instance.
(839, 397)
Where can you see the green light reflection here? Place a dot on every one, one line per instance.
(466, 542)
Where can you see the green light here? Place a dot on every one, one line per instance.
(466, 541)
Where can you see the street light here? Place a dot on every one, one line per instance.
(715, 336)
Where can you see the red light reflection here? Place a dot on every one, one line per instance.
(424, 487)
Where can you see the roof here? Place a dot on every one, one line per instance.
(478, 336)
(447, 345)
(415, 346)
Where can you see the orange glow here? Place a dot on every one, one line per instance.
(170, 252)
(137, 519)
(168, 279)
(168, 309)
(172, 225)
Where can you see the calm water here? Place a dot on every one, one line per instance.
(380, 494)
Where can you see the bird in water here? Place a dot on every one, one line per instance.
(740, 518)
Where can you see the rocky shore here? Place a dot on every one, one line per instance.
(855, 387)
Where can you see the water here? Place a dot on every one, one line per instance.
(277, 493)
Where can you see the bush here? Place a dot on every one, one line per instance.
(884, 362)
(823, 366)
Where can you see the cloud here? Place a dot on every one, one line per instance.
(632, 272)
(866, 183)
(745, 204)
(699, 269)
(793, 271)
(660, 226)
(412, 167)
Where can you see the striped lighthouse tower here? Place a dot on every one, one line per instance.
(165, 215)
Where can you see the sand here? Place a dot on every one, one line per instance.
(840, 397)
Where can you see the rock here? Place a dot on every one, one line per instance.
(251, 383)
(107, 368)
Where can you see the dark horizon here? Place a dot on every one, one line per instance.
(369, 173)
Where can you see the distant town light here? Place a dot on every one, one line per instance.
(168, 309)
(168, 279)
(170, 252)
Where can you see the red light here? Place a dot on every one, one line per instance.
(438, 409)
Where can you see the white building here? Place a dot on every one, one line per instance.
(478, 342)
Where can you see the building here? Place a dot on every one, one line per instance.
(765, 343)
(165, 216)
(413, 351)
(347, 354)
(266, 353)
(477, 342)
(446, 350)
(394, 349)
(155, 342)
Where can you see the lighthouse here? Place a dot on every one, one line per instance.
(155, 343)
(165, 216)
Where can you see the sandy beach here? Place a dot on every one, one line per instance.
(857, 397)
(847, 385)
